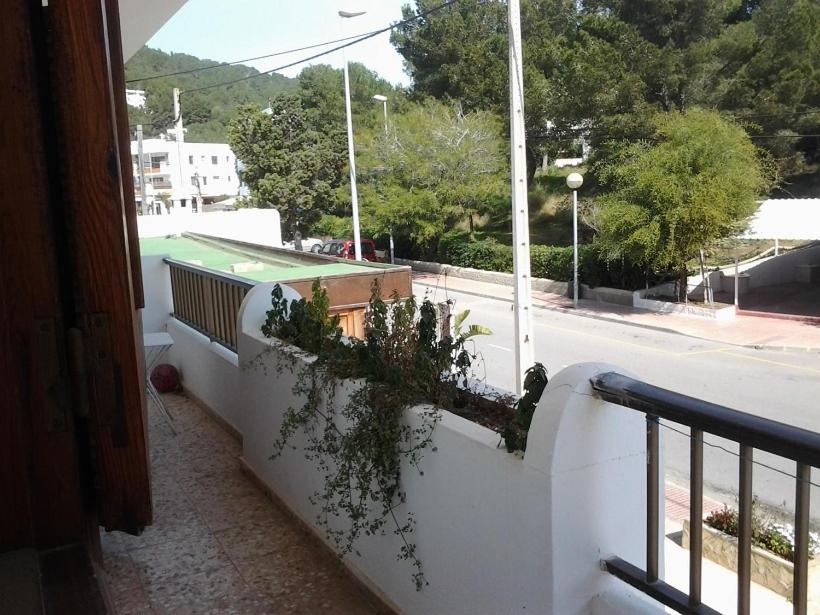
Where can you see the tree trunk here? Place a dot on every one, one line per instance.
(472, 229)
(683, 277)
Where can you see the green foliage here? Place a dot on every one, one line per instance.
(435, 167)
(766, 534)
(603, 68)
(516, 430)
(288, 164)
(206, 114)
(696, 184)
(361, 444)
(337, 227)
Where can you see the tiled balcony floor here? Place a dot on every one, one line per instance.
(218, 544)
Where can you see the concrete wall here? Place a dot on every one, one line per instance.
(782, 269)
(604, 294)
(159, 302)
(208, 370)
(259, 226)
(479, 275)
(497, 533)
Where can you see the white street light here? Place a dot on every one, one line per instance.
(574, 181)
(383, 99)
(354, 197)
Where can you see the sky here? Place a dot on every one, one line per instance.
(232, 30)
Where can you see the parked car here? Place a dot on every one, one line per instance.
(344, 248)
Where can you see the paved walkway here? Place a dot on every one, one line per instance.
(769, 333)
(218, 545)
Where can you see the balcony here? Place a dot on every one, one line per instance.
(218, 543)
(574, 525)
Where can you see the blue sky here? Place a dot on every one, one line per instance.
(225, 31)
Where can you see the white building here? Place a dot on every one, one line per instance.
(187, 175)
(135, 98)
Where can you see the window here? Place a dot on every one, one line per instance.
(229, 178)
(194, 180)
(227, 158)
(213, 159)
(204, 181)
(216, 178)
(190, 160)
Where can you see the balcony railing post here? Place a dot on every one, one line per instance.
(744, 531)
(652, 496)
(695, 516)
(801, 539)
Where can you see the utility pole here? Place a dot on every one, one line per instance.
(141, 171)
(522, 304)
(180, 136)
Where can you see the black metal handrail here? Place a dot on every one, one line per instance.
(750, 432)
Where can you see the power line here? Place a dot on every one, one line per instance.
(234, 62)
(726, 450)
(364, 37)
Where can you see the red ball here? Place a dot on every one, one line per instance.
(165, 378)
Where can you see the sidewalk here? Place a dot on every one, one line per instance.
(751, 331)
(718, 583)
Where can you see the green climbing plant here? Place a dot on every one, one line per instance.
(361, 441)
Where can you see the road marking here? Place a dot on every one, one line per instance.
(811, 370)
(500, 347)
(668, 353)
(696, 352)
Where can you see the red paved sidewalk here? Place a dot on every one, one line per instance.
(770, 333)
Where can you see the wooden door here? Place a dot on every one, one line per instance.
(72, 413)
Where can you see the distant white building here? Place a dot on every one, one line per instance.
(187, 175)
(135, 98)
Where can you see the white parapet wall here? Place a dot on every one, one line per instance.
(259, 226)
(496, 532)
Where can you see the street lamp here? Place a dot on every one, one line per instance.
(574, 181)
(354, 197)
(382, 99)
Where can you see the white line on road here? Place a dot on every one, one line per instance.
(500, 347)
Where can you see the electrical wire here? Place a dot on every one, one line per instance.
(726, 450)
(234, 62)
(365, 37)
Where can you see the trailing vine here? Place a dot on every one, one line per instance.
(360, 443)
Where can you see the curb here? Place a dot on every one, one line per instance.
(572, 311)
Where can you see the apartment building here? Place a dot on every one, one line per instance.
(185, 175)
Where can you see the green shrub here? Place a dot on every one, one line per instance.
(337, 227)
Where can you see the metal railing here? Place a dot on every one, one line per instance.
(207, 300)
(750, 432)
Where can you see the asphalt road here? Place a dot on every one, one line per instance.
(784, 386)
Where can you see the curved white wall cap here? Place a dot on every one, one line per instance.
(256, 304)
(568, 431)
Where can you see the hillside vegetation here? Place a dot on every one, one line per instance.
(206, 113)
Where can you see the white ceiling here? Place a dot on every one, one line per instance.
(140, 20)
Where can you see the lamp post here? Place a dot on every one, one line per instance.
(354, 197)
(383, 99)
(574, 181)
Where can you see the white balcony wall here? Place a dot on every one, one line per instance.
(259, 226)
(497, 533)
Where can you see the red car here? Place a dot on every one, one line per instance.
(344, 248)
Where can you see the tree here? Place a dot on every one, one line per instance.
(288, 164)
(767, 71)
(695, 184)
(437, 166)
